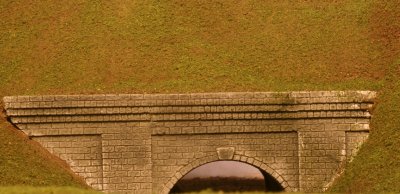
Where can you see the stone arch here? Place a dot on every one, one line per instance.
(167, 186)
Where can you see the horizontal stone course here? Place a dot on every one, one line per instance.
(194, 99)
(186, 117)
(186, 109)
(355, 95)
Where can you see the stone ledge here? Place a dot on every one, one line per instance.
(189, 107)
(188, 117)
(355, 95)
(48, 111)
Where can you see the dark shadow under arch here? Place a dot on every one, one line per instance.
(232, 183)
(169, 184)
(271, 184)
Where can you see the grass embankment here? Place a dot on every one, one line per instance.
(24, 162)
(173, 46)
(70, 47)
(45, 190)
(377, 166)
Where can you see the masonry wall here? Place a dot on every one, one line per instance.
(83, 154)
(146, 143)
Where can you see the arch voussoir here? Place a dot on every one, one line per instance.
(240, 158)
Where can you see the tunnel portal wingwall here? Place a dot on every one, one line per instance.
(144, 143)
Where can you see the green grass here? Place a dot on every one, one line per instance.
(44, 190)
(120, 46)
(23, 162)
(376, 168)
(170, 46)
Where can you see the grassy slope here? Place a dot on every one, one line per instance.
(377, 166)
(44, 190)
(24, 162)
(169, 46)
(122, 46)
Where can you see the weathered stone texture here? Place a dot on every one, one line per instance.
(82, 153)
(144, 143)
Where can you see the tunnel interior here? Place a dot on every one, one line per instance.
(271, 184)
(227, 176)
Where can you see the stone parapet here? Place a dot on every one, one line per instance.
(188, 107)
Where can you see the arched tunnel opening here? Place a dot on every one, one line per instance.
(227, 176)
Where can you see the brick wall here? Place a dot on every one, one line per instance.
(144, 143)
